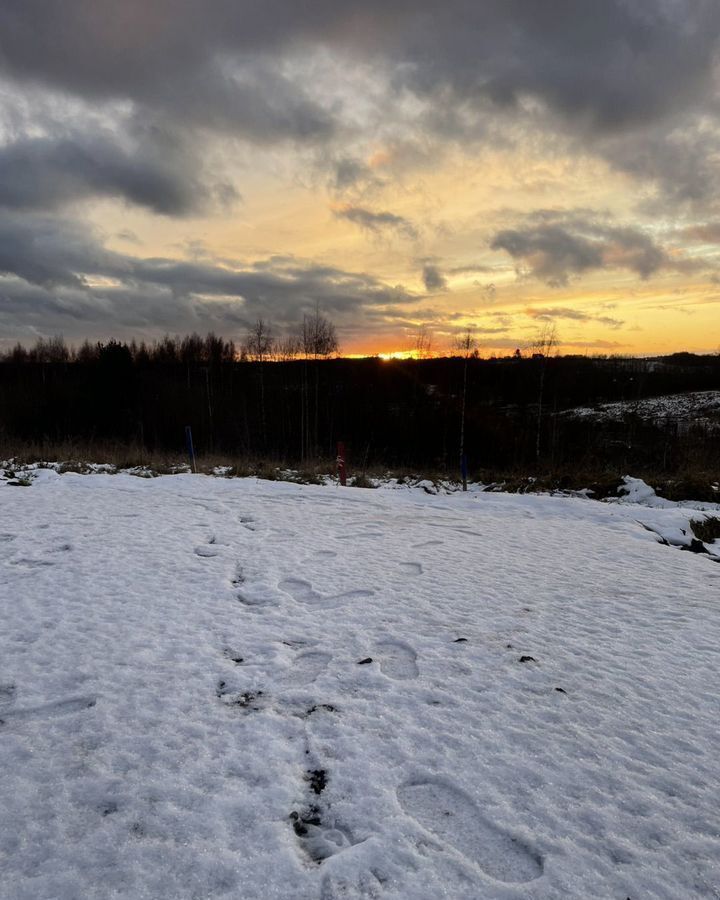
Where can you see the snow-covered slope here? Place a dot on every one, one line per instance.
(703, 406)
(241, 689)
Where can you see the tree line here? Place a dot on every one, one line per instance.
(266, 400)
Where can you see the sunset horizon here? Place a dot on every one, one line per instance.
(491, 167)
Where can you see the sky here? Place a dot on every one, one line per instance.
(495, 165)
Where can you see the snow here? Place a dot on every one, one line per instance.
(222, 688)
(696, 406)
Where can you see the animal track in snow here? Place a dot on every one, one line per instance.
(411, 568)
(48, 710)
(397, 659)
(303, 592)
(445, 811)
(426, 544)
(248, 522)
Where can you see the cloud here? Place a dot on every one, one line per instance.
(56, 276)
(677, 158)
(607, 64)
(433, 278)
(50, 252)
(45, 173)
(631, 82)
(549, 314)
(708, 233)
(589, 69)
(376, 221)
(550, 251)
(555, 247)
(350, 174)
(153, 104)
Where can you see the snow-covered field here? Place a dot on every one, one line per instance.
(242, 689)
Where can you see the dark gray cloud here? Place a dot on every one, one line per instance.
(45, 173)
(433, 278)
(51, 252)
(609, 63)
(633, 81)
(554, 247)
(377, 221)
(55, 275)
(550, 251)
(679, 158)
(352, 176)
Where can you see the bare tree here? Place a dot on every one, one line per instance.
(288, 348)
(546, 341)
(259, 343)
(423, 342)
(258, 347)
(467, 345)
(318, 336)
(544, 346)
(318, 340)
(50, 350)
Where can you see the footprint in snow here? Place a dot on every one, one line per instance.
(303, 592)
(320, 834)
(411, 568)
(427, 544)
(258, 595)
(397, 659)
(308, 666)
(206, 552)
(445, 811)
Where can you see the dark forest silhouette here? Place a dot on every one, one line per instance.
(296, 403)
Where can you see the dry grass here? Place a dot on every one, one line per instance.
(706, 530)
(698, 484)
